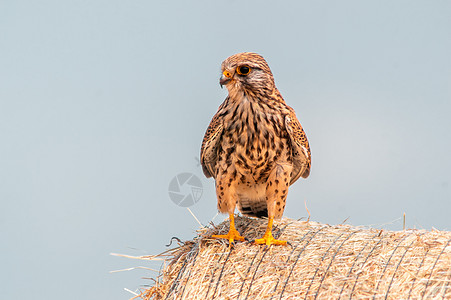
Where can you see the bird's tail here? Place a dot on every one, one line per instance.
(253, 207)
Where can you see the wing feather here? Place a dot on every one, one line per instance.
(210, 143)
(300, 147)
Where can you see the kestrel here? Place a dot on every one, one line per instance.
(254, 147)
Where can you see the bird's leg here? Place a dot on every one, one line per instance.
(225, 191)
(276, 194)
(267, 238)
(233, 234)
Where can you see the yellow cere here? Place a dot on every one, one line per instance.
(227, 74)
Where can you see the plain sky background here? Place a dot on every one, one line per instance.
(102, 103)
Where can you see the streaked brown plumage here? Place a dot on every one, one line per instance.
(255, 146)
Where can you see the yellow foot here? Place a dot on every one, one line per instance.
(268, 239)
(231, 236)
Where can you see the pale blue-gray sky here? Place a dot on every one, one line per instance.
(102, 103)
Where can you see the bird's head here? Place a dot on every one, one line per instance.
(246, 72)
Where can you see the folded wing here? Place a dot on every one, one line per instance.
(210, 144)
(300, 148)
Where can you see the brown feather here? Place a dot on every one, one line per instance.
(255, 146)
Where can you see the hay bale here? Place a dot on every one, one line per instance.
(324, 262)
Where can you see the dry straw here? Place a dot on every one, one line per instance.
(323, 262)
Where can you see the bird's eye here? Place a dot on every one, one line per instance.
(243, 70)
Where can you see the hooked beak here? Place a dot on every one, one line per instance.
(225, 78)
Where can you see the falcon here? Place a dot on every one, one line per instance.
(254, 147)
